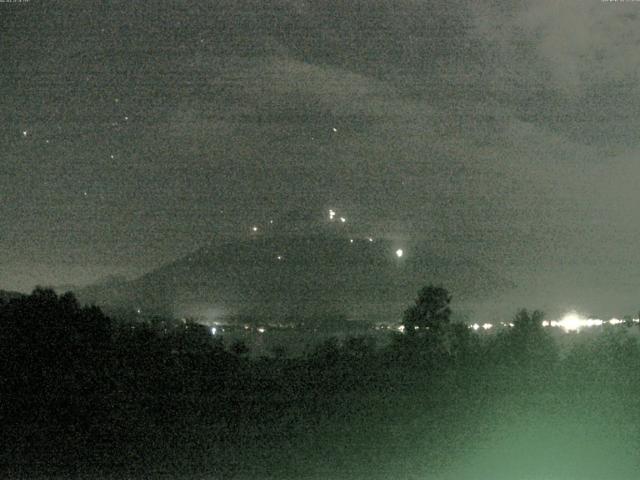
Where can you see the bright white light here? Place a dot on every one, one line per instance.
(334, 129)
(24, 133)
(213, 330)
(401, 328)
(487, 326)
(370, 239)
(475, 326)
(615, 321)
(399, 253)
(343, 220)
(261, 330)
(571, 322)
(332, 213)
(351, 240)
(279, 257)
(254, 229)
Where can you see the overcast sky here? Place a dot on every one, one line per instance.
(505, 131)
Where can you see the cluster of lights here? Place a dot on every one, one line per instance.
(332, 216)
(484, 326)
(399, 253)
(571, 322)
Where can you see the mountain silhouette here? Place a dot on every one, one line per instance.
(275, 276)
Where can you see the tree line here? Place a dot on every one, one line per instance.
(80, 388)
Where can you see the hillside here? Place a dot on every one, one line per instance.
(276, 276)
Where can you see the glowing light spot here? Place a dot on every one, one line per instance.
(343, 220)
(126, 118)
(332, 214)
(254, 229)
(571, 322)
(401, 328)
(279, 257)
(399, 253)
(351, 240)
(261, 330)
(112, 156)
(475, 326)
(25, 133)
(487, 326)
(214, 330)
(334, 129)
(370, 239)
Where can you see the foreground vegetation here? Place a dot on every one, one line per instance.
(84, 395)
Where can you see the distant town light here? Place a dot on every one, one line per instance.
(254, 229)
(261, 330)
(343, 220)
(279, 257)
(487, 326)
(399, 253)
(351, 240)
(370, 239)
(214, 330)
(332, 214)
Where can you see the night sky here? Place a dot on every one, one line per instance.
(504, 131)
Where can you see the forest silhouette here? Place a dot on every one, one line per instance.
(90, 395)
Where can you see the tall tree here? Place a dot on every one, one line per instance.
(430, 312)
